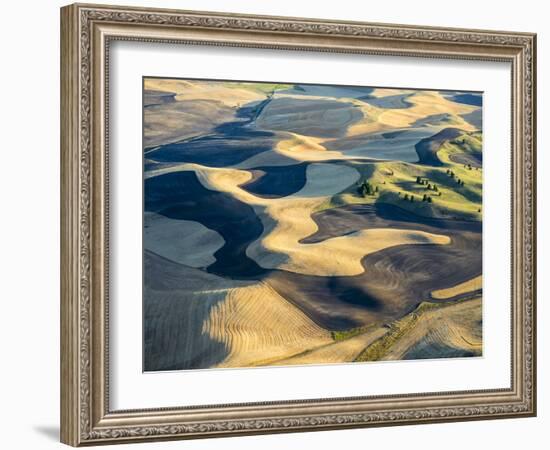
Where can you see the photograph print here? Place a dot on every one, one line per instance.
(295, 224)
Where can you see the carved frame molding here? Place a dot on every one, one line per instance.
(86, 32)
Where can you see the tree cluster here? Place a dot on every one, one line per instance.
(366, 188)
(426, 182)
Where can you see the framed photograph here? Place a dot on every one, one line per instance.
(276, 225)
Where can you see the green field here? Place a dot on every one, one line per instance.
(455, 189)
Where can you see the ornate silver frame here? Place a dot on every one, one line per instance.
(86, 32)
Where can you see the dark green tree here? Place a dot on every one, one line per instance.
(367, 189)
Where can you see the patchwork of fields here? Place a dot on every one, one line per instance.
(296, 224)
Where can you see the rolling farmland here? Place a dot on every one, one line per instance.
(303, 224)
